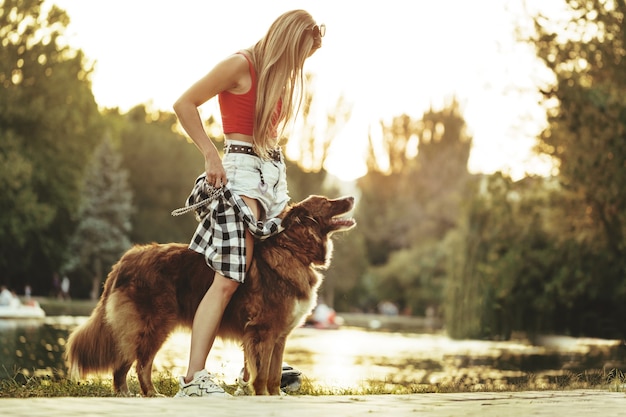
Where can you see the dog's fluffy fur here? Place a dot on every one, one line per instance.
(155, 288)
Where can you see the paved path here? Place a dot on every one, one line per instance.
(549, 403)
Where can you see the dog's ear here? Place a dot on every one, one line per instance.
(293, 215)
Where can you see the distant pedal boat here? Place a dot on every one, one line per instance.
(28, 310)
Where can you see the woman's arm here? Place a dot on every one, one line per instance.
(233, 75)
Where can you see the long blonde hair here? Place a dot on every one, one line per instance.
(278, 59)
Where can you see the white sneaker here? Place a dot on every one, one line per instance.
(202, 385)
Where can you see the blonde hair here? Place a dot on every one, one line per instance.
(278, 59)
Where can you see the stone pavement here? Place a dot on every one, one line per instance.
(537, 403)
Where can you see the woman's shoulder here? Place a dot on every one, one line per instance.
(233, 67)
(245, 56)
(236, 60)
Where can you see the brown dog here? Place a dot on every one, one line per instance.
(155, 288)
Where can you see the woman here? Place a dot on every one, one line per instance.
(259, 91)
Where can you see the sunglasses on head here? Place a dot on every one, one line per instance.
(318, 30)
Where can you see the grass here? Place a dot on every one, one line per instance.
(21, 386)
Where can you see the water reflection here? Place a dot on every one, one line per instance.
(33, 347)
(345, 358)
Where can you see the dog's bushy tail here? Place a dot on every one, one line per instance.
(91, 347)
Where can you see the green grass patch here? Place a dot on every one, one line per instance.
(22, 386)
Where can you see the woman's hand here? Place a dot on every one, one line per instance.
(215, 173)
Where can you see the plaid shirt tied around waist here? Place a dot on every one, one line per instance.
(221, 234)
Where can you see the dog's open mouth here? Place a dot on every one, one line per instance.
(340, 221)
(343, 223)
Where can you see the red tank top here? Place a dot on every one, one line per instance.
(238, 109)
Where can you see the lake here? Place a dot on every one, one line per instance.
(348, 358)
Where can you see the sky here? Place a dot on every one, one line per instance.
(384, 58)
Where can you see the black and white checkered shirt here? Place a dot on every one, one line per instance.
(221, 236)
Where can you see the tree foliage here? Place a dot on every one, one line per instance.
(502, 261)
(102, 234)
(417, 198)
(548, 255)
(411, 205)
(587, 123)
(586, 134)
(163, 166)
(49, 123)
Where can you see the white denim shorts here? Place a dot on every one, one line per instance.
(257, 178)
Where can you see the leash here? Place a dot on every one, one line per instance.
(213, 193)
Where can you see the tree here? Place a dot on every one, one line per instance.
(103, 218)
(349, 263)
(383, 194)
(547, 255)
(437, 182)
(23, 215)
(49, 123)
(502, 259)
(412, 205)
(417, 196)
(586, 131)
(163, 166)
(586, 135)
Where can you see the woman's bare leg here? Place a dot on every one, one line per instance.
(208, 316)
(206, 322)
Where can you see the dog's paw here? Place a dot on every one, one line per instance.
(243, 389)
